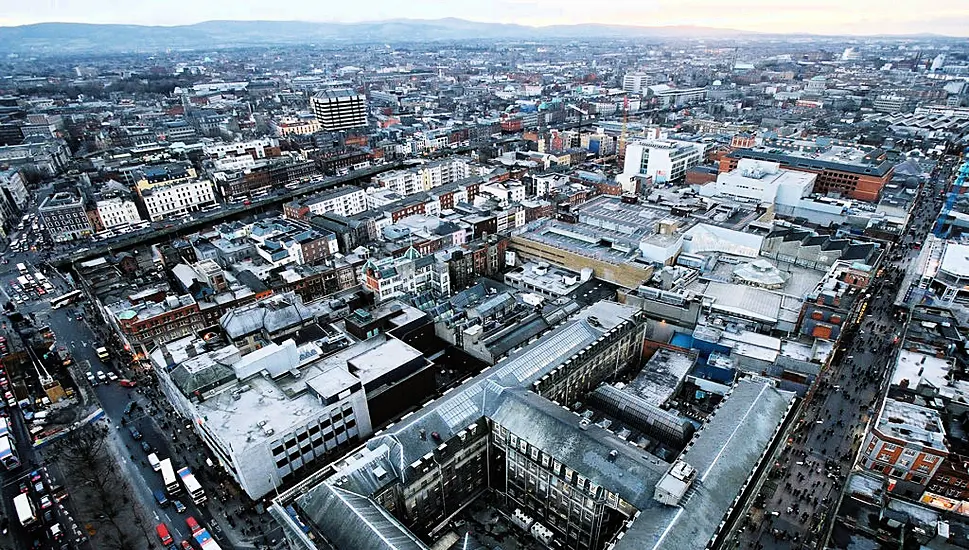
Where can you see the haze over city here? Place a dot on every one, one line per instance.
(862, 17)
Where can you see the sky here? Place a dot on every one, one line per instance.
(949, 17)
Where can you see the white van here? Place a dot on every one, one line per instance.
(155, 463)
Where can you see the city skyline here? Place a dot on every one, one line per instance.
(826, 17)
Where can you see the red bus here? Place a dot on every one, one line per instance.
(162, 531)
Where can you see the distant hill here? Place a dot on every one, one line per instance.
(82, 37)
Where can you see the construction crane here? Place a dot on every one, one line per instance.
(621, 152)
(955, 191)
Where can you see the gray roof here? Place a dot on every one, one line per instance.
(354, 522)
(724, 453)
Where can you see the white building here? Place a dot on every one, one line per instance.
(662, 160)
(345, 201)
(761, 182)
(261, 422)
(425, 177)
(634, 83)
(12, 181)
(255, 148)
(117, 211)
(177, 199)
(504, 192)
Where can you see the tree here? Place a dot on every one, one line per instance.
(83, 454)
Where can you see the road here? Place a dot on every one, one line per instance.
(798, 500)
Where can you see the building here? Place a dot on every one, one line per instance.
(177, 199)
(302, 124)
(152, 316)
(410, 274)
(115, 207)
(635, 83)
(844, 171)
(906, 443)
(13, 185)
(761, 182)
(64, 217)
(661, 160)
(339, 109)
(348, 200)
(270, 415)
(425, 177)
(566, 481)
(255, 148)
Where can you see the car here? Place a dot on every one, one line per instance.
(24, 487)
(91, 379)
(179, 507)
(112, 376)
(45, 502)
(39, 487)
(186, 545)
(125, 383)
(102, 377)
(145, 446)
(35, 476)
(49, 517)
(135, 434)
(56, 532)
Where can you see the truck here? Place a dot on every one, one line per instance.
(26, 512)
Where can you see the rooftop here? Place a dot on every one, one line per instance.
(912, 423)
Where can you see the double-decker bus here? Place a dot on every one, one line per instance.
(168, 475)
(192, 486)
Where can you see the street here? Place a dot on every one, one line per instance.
(797, 502)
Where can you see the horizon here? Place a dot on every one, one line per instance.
(823, 18)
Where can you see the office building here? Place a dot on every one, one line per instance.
(907, 443)
(339, 109)
(64, 217)
(635, 83)
(845, 171)
(662, 160)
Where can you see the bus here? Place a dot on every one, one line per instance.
(8, 453)
(168, 475)
(205, 540)
(192, 486)
(25, 510)
(65, 299)
(22, 269)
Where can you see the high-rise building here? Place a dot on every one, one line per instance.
(339, 109)
(634, 83)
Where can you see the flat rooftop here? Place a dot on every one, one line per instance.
(585, 240)
(914, 369)
(955, 259)
(381, 359)
(907, 422)
(808, 155)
